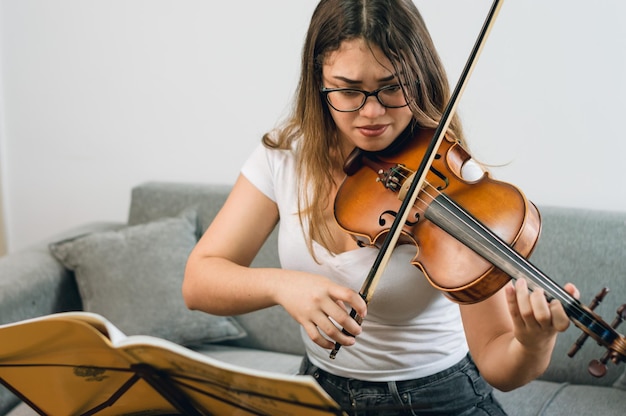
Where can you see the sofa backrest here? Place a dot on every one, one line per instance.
(270, 329)
(585, 247)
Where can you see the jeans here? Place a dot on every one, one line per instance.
(458, 390)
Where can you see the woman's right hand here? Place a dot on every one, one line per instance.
(219, 281)
(322, 307)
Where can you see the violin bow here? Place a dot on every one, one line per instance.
(392, 237)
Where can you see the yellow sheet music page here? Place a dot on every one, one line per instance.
(68, 367)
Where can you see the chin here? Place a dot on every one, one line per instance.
(373, 145)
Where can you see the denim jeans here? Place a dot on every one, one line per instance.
(458, 390)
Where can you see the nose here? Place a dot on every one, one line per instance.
(372, 107)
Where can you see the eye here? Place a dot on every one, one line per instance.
(392, 89)
(349, 93)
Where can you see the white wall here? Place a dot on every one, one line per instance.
(100, 95)
(3, 238)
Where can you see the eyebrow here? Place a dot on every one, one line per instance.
(356, 82)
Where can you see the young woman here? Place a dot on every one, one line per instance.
(369, 72)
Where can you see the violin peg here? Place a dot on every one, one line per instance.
(621, 312)
(577, 345)
(621, 315)
(597, 368)
(599, 298)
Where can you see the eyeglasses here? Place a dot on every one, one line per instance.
(347, 100)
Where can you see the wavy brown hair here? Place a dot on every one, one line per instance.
(397, 28)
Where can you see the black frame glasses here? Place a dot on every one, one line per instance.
(365, 95)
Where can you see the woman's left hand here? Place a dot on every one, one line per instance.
(512, 334)
(536, 322)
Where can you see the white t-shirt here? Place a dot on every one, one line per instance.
(411, 330)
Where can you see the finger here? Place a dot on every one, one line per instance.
(351, 298)
(354, 315)
(316, 336)
(358, 304)
(325, 332)
(344, 296)
(524, 304)
(540, 308)
(335, 332)
(342, 319)
(511, 297)
(572, 290)
(560, 320)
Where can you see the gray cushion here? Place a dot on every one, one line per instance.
(620, 383)
(597, 400)
(268, 361)
(517, 403)
(133, 277)
(562, 399)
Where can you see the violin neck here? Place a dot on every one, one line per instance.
(457, 222)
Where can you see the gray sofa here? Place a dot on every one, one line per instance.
(582, 246)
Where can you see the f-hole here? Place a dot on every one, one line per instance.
(382, 221)
(440, 175)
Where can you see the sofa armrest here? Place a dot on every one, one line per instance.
(33, 283)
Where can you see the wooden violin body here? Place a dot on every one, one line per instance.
(369, 199)
(471, 237)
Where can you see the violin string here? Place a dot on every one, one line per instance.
(432, 198)
(530, 269)
(432, 192)
(554, 289)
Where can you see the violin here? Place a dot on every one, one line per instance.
(370, 197)
(471, 237)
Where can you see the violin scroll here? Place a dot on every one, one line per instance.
(615, 351)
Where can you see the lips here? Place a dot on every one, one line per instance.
(373, 130)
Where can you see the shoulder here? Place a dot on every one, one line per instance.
(270, 157)
(271, 169)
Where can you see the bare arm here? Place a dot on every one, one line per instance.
(218, 278)
(512, 334)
